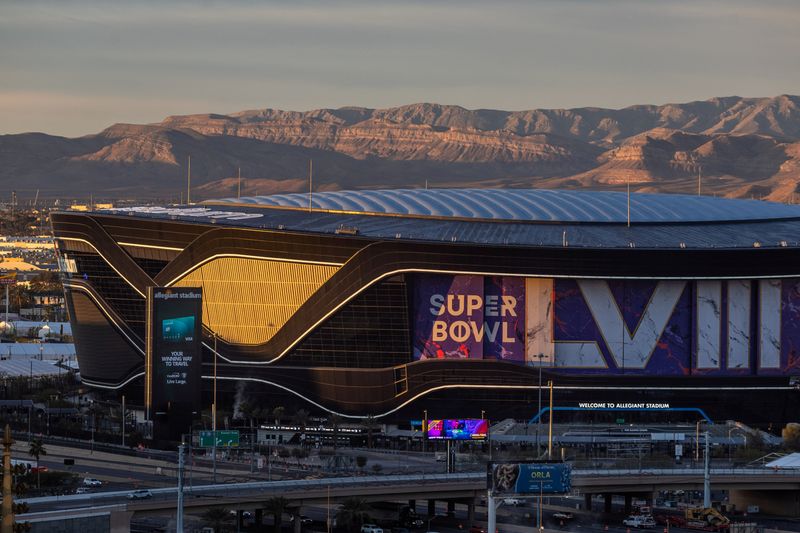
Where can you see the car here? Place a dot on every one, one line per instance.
(92, 482)
(477, 529)
(82, 490)
(639, 521)
(304, 520)
(141, 494)
(371, 528)
(512, 501)
(400, 530)
(562, 515)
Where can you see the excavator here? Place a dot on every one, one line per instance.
(699, 518)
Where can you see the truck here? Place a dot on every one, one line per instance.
(392, 514)
(639, 521)
(697, 518)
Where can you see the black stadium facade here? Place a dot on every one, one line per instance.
(385, 303)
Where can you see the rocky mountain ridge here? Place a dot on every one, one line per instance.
(740, 147)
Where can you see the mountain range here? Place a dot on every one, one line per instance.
(731, 146)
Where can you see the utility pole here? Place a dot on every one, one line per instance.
(214, 417)
(492, 505)
(310, 184)
(179, 520)
(699, 179)
(539, 421)
(239, 188)
(629, 203)
(123, 420)
(707, 477)
(189, 182)
(8, 499)
(550, 424)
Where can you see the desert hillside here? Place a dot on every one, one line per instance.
(741, 147)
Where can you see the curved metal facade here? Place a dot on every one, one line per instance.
(350, 343)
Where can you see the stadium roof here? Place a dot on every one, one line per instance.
(535, 205)
(511, 217)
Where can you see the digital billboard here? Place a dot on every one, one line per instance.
(174, 352)
(595, 326)
(529, 478)
(458, 429)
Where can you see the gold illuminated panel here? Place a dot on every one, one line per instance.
(246, 301)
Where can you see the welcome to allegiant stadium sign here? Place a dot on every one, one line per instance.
(663, 327)
(612, 405)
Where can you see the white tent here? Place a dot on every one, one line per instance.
(791, 461)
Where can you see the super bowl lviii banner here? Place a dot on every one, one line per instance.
(469, 317)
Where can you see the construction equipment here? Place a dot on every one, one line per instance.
(698, 518)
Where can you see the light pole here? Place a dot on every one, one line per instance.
(214, 418)
(123, 420)
(707, 476)
(539, 422)
(179, 519)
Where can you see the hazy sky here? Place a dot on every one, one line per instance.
(73, 68)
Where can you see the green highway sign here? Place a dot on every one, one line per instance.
(224, 439)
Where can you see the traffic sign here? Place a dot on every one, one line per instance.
(225, 439)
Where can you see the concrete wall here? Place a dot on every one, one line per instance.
(777, 502)
(87, 524)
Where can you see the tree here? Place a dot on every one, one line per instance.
(276, 506)
(216, 517)
(377, 467)
(361, 461)
(353, 513)
(335, 420)
(370, 425)
(278, 413)
(791, 436)
(37, 450)
(301, 419)
(299, 453)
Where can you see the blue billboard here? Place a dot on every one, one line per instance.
(529, 478)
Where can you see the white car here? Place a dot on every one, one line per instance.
(371, 528)
(639, 521)
(142, 494)
(92, 482)
(512, 501)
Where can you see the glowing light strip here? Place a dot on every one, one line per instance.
(245, 256)
(467, 386)
(112, 387)
(137, 245)
(104, 259)
(459, 272)
(103, 310)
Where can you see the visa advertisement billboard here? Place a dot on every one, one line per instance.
(174, 349)
(458, 429)
(655, 327)
(529, 478)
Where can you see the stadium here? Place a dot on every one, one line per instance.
(386, 303)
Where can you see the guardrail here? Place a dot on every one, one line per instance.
(683, 472)
(285, 485)
(416, 479)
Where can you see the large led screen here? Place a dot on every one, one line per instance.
(174, 359)
(657, 327)
(458, 429)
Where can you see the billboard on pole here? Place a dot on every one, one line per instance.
(458, 429)
(528, 478)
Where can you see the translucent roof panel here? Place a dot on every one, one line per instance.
(536, 205)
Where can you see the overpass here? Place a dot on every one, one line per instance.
(782, 486)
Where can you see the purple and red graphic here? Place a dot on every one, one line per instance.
(458, 429)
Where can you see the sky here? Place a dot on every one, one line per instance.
(73, 68)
